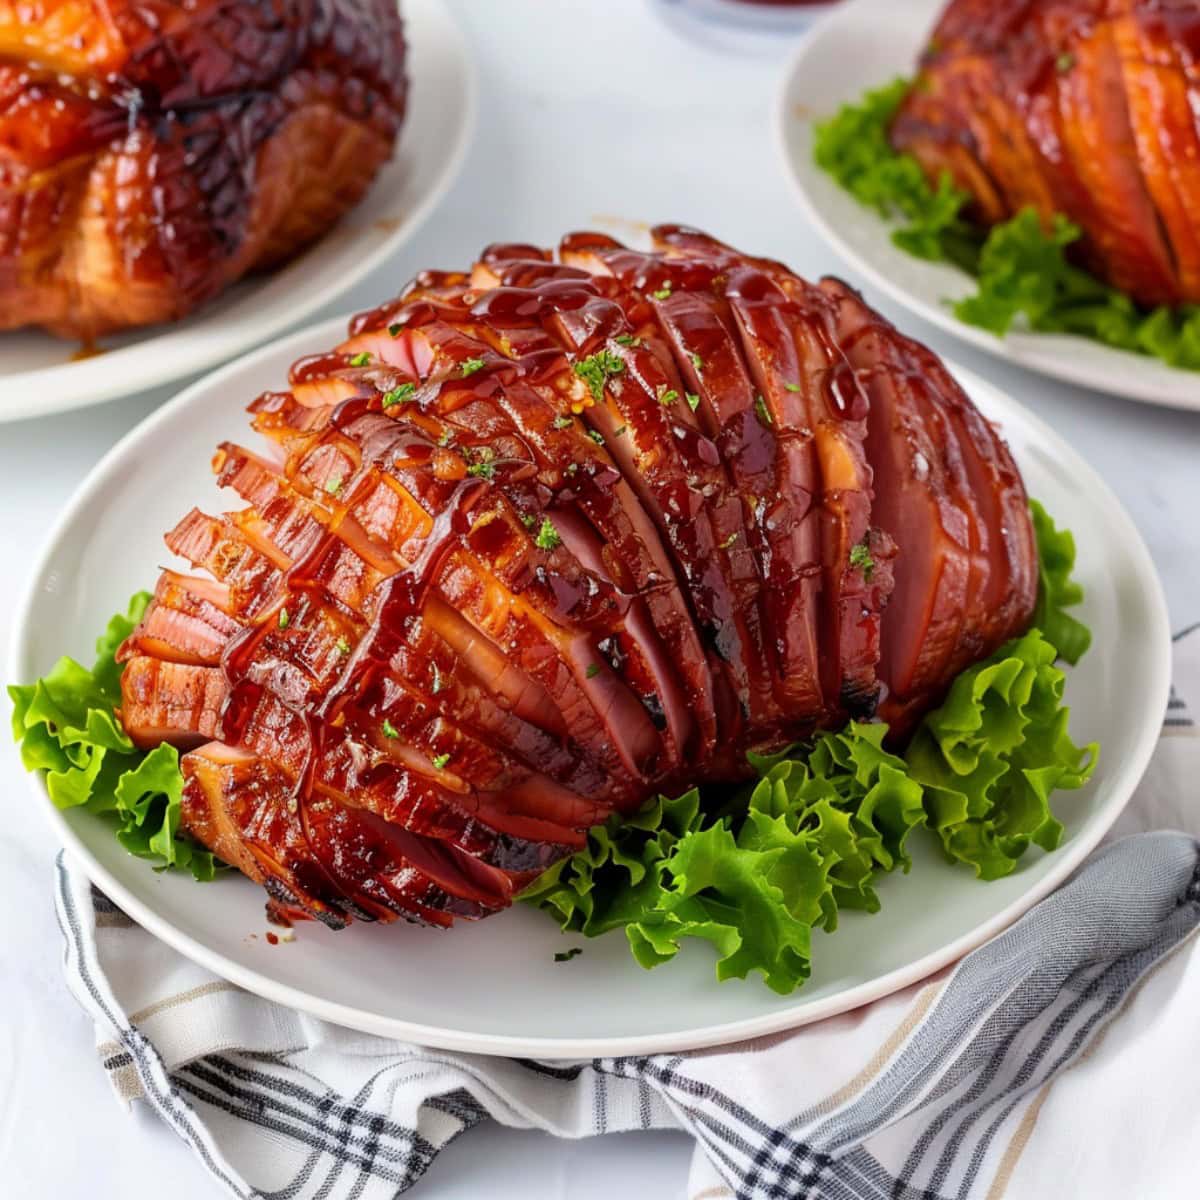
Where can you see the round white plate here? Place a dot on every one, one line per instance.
(494, 987)
(40, 374)
(866, 44)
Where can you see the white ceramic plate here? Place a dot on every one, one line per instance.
(867, 44)
(494, 987)
(38, 374)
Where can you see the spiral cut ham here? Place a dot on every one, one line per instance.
(544, 538)
(1081, 107)
(152, 153)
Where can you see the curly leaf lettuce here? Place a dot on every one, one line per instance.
(1021, 266)
(756, 903)
(806, 840)
(1025, 277)
(855, 795)
(1057, 591)
(989, 757)
(1023, 271)
(617, 877)
(66, 726)
(853, 147)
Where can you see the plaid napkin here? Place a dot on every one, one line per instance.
(1062, 1050)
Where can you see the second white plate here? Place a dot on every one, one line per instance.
(40, 374)
(866, 44)
(494, 987)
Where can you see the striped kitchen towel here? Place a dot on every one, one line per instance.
(1057, 1060)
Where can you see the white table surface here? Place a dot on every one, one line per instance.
(589, 108)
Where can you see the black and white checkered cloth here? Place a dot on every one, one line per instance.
(1049, 1050)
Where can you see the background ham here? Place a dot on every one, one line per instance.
(152, 153)
(1083, 108)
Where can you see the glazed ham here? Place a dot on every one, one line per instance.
(1080, 107)
(546, 537)
(152, 153)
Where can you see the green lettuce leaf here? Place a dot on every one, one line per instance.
(1023, 274)
(617, 878)
(1023, 271)
(67, 727)
(786, 854)
(989, 757)
(1057, 591)
(853, 147)
(756, 903)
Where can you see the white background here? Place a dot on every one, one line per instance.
(589, 109)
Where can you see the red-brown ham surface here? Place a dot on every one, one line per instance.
(154, 152)
(544, 538)
(1084, 108)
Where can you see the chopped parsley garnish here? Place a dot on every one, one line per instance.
(693, 401)
(860, 557)
(471, 365)
(620, 432)
(567, 955)
(793, 387)
(284, 619)
(1064, 62)
(664, 292)
(440, 761)
(669, 396)
(333, 485)
(764, 413)
(360, 359)
(547, 536)
(446, 438)
(399, 395)
(627, 339)
(481, 460)
(563, 422)
(527, 520)
(595, 370)
(697, 362)
(394, 328)
(596, 436)
(343, 646)
(592, 671)
(389, 730)
(733, 537)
